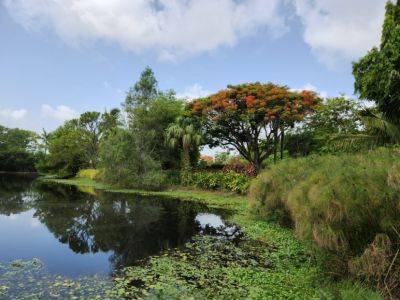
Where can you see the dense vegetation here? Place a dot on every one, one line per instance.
(17, 150)
(346, 204)
(329, 168)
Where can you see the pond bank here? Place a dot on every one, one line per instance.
(268, 263)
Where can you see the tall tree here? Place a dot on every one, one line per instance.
(149, 113)
(252, 118)
(377, 78)
(377, 74)
(143, 91)
(89, 123)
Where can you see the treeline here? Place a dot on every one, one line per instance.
(17, 150)
(127, 146)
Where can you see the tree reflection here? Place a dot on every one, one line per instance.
(15, 193)
(131, 227)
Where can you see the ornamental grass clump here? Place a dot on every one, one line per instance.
(269, 192)
(346, 204)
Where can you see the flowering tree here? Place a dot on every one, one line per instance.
(252, 118)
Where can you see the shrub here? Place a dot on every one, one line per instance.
(125, 164)
(241, 166)
(341, 203)
(92, 174)
(230, 181)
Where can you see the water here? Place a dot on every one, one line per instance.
(80, 234)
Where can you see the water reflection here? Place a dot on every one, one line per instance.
(103, 231)
(213, 224)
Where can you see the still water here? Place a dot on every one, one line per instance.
(77, 233)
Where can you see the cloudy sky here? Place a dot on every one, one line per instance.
(59, 58)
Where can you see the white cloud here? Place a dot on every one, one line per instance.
(340, 29)
(60, 113)
(311, 87)
(16, 114)
(193, 92)
(12, 117)
(171, 28)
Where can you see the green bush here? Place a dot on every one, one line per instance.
(92, 174)
(229, 181)
(341, 203)
(125, 164)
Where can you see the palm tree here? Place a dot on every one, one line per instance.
(184, 134)
(379, 131)
(44, 137)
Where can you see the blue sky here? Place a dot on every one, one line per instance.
(59, 58)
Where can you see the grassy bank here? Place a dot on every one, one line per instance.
(269, 262)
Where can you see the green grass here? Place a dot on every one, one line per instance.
(296, 270)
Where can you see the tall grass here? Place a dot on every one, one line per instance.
(92, 174)
(345, 204)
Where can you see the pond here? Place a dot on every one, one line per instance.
(93, 233)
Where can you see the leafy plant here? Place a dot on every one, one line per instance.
(226, 181)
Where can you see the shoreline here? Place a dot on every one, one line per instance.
(299, 269)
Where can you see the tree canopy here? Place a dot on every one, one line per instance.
(252, 118)
(17, 149)
(377, 74)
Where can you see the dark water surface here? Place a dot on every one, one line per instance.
(78, 234)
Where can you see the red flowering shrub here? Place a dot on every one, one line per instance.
(240, 166)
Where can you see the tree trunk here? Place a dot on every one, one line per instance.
(186, 157)
(282, 141)
(275, 144)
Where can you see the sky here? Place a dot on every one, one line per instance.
(59, 58)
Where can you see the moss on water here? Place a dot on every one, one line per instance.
(278, 267)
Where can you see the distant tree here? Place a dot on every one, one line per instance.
(67, 151)
(17, 149)
(333, 117)
(252, 118)
(223, 158)
(89, 123)
(149, 113)
(143, 91)
(76, 144)
(44, 138)
(110, 121)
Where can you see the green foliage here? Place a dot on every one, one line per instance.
(124, 163)
(184, 135)
(333, 117)
(67, 151)
(252, 118)
(17, 148)
(92, 174)
(295, 271)
(211, 267)
(149, 113)
(341, 203)
(75, 145)
(225, 181)
(143, 91)
(377, 74)
(223, 158)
